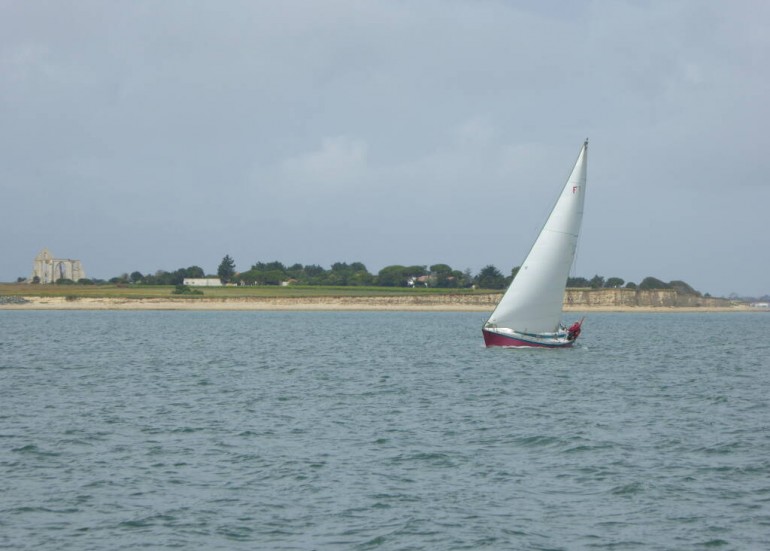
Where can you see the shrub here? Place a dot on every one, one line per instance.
(186, 290)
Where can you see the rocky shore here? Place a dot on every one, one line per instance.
(13, 300)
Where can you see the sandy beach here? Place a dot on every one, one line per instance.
(438, 303)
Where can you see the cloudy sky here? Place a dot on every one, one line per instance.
(152, 135)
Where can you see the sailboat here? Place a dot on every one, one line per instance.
(530, 312)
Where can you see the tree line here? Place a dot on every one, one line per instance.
(356, 274)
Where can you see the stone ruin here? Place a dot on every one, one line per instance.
(48, 269)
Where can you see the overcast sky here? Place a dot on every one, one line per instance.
(150, 135)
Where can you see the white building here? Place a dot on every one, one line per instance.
(202, 282)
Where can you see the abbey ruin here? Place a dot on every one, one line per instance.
(48, 269)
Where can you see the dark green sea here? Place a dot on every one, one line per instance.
(381, 431)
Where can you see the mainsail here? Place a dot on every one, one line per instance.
(533, 302)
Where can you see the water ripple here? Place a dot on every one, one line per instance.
(382, 431)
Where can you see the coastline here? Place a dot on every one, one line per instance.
(439, 303)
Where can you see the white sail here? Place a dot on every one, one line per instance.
(533, 302)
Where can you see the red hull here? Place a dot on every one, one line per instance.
(496, 339)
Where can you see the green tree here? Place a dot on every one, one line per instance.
(399, 276)
(296, 271)
(340, 274)
(653, 283)
(160, 277)
(442, 276)
(275, 266)
(194, 272)
(597, 282)
(490, 278)
(614, 283)
(226, 269)
(179, 275)
(136, 277)
(467, 278)
(270, 273)
(455, 279)
(247, 278)
(392, 276)
(314, 275)
(510, 279)
(683, 288)
(359, 275)
(273, 277)
(578, 282)
(411, 272)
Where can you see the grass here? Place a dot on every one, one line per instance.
(262, 291)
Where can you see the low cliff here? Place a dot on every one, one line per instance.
(655, 298)
(574, 300)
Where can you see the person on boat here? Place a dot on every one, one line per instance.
(574, 331)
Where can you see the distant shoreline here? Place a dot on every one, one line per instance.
(438, 303)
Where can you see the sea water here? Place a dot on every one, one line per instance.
(354, 430)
